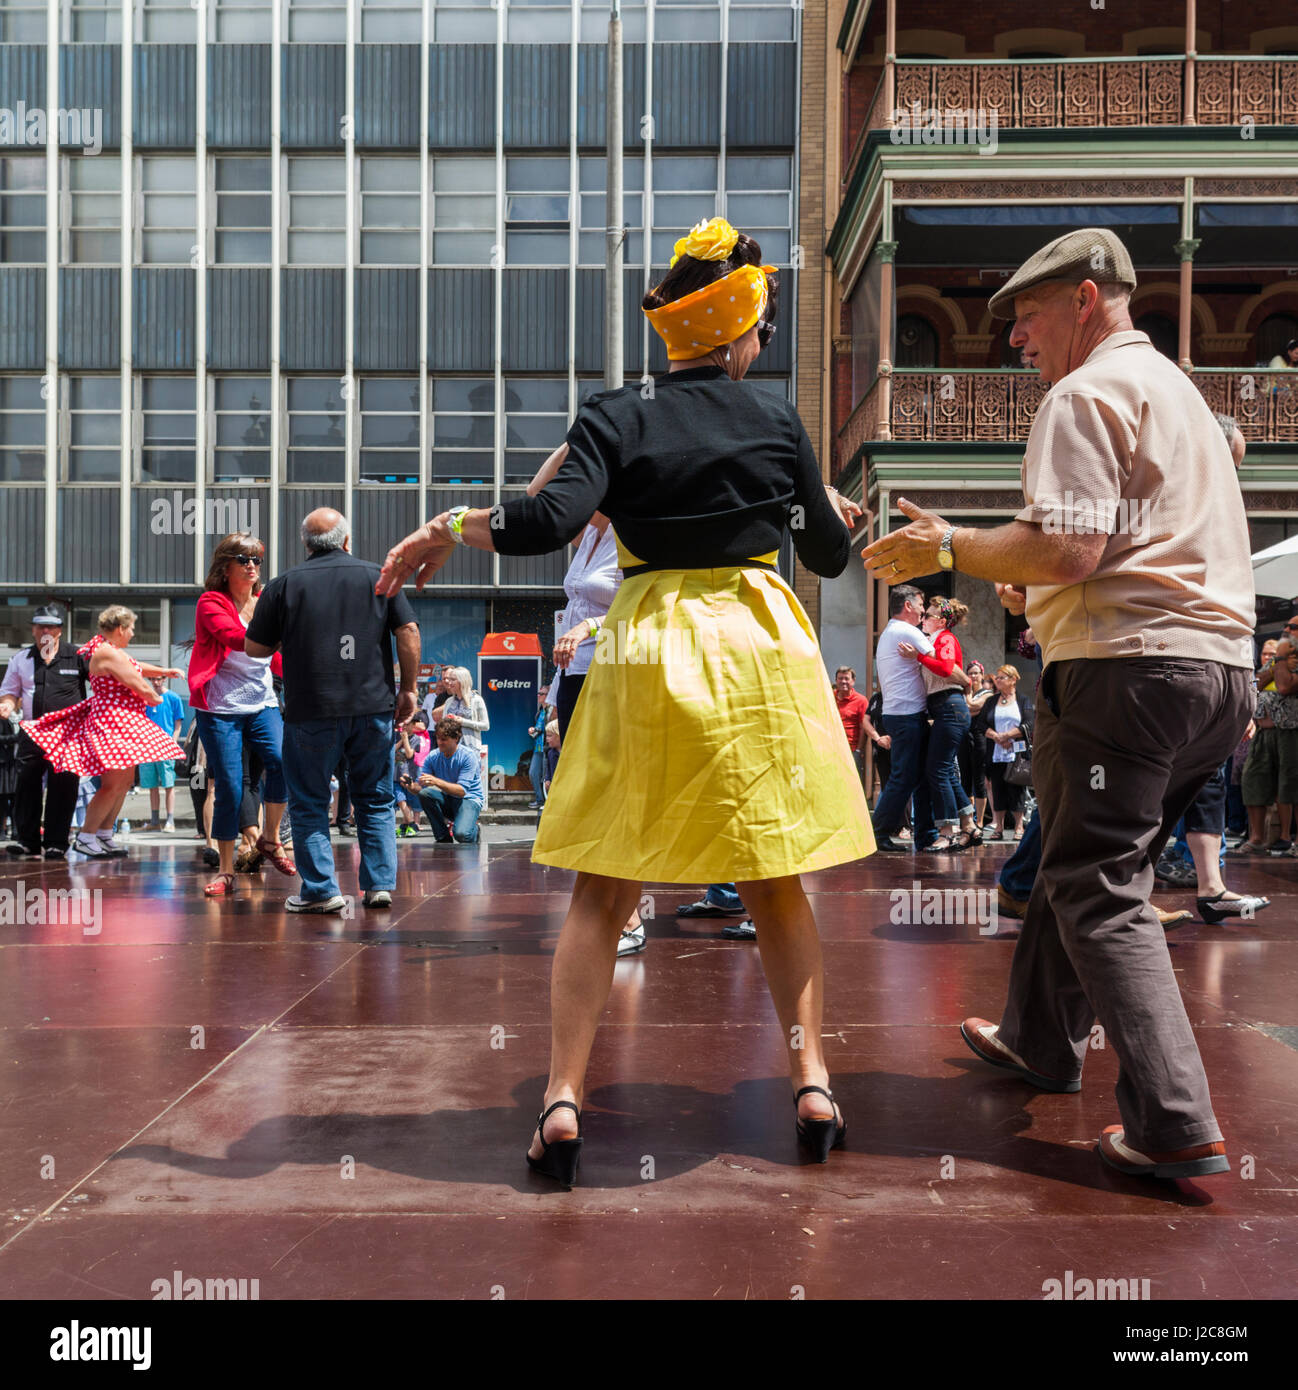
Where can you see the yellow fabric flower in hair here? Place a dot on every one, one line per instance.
(713, 240)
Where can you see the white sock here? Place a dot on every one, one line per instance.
(105, 834)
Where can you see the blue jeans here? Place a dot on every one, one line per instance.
(223, 738)
(1019, 872)
(963, 806)
(723, 895)
(311, 752)
(950, 724)
(537, 773)
(909, 734)
(447, 813)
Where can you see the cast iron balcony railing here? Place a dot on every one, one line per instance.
(962, 406)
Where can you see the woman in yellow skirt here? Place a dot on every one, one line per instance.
(707, 747)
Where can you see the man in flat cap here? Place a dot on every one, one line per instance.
(1131, 557)
(46, 676)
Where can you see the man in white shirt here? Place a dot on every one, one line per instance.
(905, 714)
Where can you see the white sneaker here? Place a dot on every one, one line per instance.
(170, 827)
(377, 897)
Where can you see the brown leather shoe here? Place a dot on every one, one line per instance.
(1183, 1163)
(1007, 906)
(1173, 919)
(988, 1046)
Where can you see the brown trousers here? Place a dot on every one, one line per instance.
(1122, 747)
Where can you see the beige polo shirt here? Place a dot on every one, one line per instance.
(1126, 445)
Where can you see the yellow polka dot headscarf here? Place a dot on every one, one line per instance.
(718, 313)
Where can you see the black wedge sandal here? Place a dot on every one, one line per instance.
(559, 1159)
(820, 1135)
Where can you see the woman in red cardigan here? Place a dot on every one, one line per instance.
(946, 682)
(234, 700)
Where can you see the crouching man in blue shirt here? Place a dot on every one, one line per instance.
(450, 787)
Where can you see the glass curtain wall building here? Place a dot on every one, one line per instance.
(260, 258)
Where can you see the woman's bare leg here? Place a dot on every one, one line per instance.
(790, 949)
(102, 811)
(579, 984)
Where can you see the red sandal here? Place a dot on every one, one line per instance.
(274, 851)
(222, 886)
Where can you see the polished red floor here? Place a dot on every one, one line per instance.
(339, 1108)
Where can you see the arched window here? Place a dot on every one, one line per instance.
(916, 342)
(1162, 330)
(1272, 334)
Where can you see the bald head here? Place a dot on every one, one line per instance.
(326, 529)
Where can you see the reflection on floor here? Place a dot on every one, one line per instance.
(339, 1107)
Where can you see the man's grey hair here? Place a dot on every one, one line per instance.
(1228, 426)
(317, 541)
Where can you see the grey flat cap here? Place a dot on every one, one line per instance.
(1093, 253)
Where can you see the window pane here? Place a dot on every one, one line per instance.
(465, 175)
(314, 393)
(529, 393)
(251, 174)
(162, 429)
(170, 174)
(95, 392)
(537, 248)
(231, 464)
(463, 468)
(242, 393)
(21, 393)
(317, 211)
(766, 171)
(169, 210)
(462, 210)
(243, 248)
(538, 431)
(535, 175)
(689, 171)
(400, 393)
(397, 175)
(464, 431)
(167, 465)
(389, 431)
(309, 175)
(315, 466)
(390, 210)
(316, 248)
(93, 465)
(463, 393)
(462, 248)
(391, 28)
(168, 393)
(243, 210)
(390, 248)
(393, 467)
(683, 209)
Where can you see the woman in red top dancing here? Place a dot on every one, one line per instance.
(108, 735)
(945, 682)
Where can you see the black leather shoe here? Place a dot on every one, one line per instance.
(56, 854)
(886, 844)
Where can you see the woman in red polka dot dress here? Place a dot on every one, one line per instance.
(108, 735)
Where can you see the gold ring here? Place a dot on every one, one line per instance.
(894, 567)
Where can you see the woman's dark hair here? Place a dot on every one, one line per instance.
(689, 274)
(234, 547)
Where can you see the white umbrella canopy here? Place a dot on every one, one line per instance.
(1275, 569)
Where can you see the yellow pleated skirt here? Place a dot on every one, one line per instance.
(706, 746)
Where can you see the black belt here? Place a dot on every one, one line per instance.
(725, 565)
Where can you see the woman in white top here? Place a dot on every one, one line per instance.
(465, 706)
(234, 701)
(1010, 716)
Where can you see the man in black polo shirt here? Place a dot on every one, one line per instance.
(46, 676)
(335, 635)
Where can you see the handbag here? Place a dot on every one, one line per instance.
(1019, 771)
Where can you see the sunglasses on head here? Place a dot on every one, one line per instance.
(765, 332)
